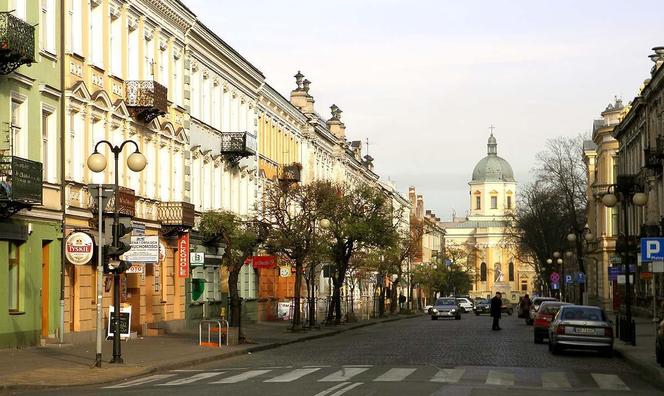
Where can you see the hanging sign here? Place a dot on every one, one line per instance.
(264, 261)
(183, 256)
(79, 248)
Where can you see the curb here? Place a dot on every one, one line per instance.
(207, 359)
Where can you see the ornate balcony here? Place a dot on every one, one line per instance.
(176, 214)
(20, 184)
(126, 202)
(146, 99)
(17, 43)
(290, 173)
(237, 145)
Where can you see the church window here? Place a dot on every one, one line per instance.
(477, 203)
(509, 202)
(524, 285)
(494, 202)
(511, 272)
(483, 272)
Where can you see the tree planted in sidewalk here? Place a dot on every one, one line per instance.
(408, 243)
(361, 219)
(291, 212)
(241, 239)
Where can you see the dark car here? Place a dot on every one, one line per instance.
(659, 344)
(482, 306)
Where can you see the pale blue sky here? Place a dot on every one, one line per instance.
(423, 80)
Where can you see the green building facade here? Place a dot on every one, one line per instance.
(30, 171)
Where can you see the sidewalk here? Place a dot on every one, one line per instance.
(69, 365)
(641, 356)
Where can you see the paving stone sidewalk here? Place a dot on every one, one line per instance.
(641, 356)
(70, 365)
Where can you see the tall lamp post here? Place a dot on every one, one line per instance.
(576, 238)
(97, 163)
(559, 262)
(627, 191)
(324, 224)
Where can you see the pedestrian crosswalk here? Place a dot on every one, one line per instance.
(344, 378)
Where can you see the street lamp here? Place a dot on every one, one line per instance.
(559, 261)
(627, 191)
(97, 163)
(576, 238)
(324, 224)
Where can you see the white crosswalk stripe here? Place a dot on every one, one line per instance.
(609, 382)
(241, 377)
(345, 374)
(193, 378)
(140, 381)
(496, 377)
(395, 375)
(346, 389)
(327, 391)
(555, 379)
(448, 375)
(293, 375)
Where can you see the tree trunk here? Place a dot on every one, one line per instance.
(337, 304)
(394, 298)
(381, 302)
(297, 293)
(233, 294)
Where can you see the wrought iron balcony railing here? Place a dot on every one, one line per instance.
(146, 99)
(176, 214)
(236, 145)
(290, 173)
(20, 184)
(17, 43)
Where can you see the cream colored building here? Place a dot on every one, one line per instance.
(492, 193)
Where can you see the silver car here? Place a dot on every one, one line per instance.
(445, 308)
(581, 327)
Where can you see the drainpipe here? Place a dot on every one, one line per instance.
(61, 56)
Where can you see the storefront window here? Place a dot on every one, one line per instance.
(13, 277)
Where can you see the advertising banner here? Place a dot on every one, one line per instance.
(144, 249)
(79, 248)
(183, 256)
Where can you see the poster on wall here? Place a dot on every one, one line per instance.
(183, 256)
(284, 310)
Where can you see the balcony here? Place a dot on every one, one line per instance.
(20, 184)
(290, 173)
(126, 202)
(17, 43)
(176, 214)
(237, 145)
(146, 99)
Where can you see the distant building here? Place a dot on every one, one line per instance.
(483, 232)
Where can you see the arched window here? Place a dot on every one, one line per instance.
(511, 272)
(483, 272)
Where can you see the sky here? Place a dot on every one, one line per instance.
(424, 80)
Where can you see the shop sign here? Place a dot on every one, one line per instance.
(144, 249)
(79, 248)
(196, 258)
(284, 271)
(263, 261)
(162, 252)
(136, 269)
(183, 256)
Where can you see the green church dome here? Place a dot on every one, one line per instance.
(493, 168)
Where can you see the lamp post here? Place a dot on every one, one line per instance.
(559, 262)
(324, 224)
(576, 238)
(627, 191)
(97, 163)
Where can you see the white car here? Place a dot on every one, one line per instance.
(465, 304)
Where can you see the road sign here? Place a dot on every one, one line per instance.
(568, 279)
(652, 249)
(658, 266)
(555, 286)
(616, 259)
(581, 277)
(555, 277)
(614, 272)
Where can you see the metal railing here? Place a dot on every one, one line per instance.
(210, 330)
(625, 330)
(176, 213)
(17, 42)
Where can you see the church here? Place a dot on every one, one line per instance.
(482, 234)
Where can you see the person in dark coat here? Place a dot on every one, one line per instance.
(496, 304)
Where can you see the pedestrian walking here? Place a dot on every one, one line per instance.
(402, 299)
(496, 304)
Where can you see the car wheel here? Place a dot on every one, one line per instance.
(553, 348)
(477, 313)
(607, 352)
(538, 339)
(458, 317)
(529, 322)
(434, 318)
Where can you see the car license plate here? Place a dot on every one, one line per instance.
(581, 330)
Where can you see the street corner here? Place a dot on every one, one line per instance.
(56, 377)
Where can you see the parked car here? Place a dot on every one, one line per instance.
(581, 327)
(446, 307)
(465, 304)
(427, 309)
(535, 306)
(545, 314)
(507, 306)
(659, 344)
(482, 306)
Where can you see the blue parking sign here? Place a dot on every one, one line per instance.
(568, 279)
(652, 249)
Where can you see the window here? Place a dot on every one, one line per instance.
(19, 8)
(510, 272)
(483, 272)
(96, 49)
(205, 103)
(166, 171)
(148, 70)
(509, 202)
(19, 142)
(163, 67)
(47, 149)
(13, 277)
(115, 53)
(47, 26)
(176, 88)
(98, 135)
(478, 206)
(494, 202)
(75, 27)
(195, 94)
(524, 285)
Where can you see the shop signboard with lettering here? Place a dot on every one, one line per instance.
(183, 256)
(79, 248)
(125, 321)
(144, 249)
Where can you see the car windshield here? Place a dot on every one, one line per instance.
(550, 308)
(445, 301)
(583, 313)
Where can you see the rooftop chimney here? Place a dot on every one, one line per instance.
(300, 97)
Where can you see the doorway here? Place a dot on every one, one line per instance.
(44, 288)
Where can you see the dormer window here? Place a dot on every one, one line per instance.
(478, 201)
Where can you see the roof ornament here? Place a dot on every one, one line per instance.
(298, 80)
(305, 85)
(492, 145)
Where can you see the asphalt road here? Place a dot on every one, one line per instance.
(407, 357)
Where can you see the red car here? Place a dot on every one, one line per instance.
(545, 315)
